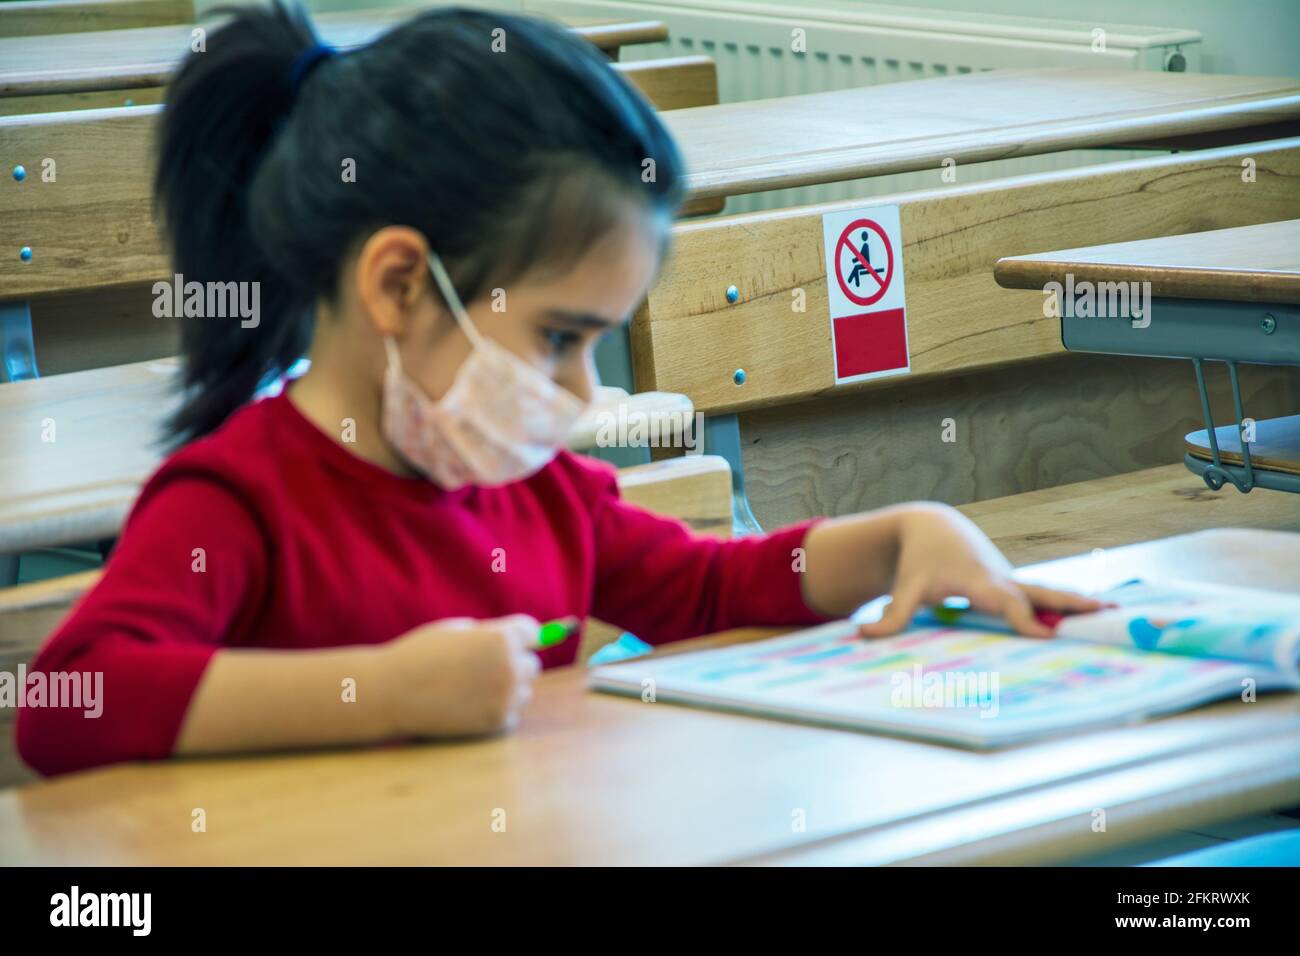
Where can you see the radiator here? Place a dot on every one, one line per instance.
(854, 44)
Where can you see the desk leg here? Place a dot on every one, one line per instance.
(722, 437)
(1215, 474)
(17, 346)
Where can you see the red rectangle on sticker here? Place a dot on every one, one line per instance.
(871, 342)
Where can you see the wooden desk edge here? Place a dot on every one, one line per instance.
(1174, 282)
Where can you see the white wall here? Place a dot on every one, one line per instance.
(1241, 36)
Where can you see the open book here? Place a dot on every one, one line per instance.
(1166, 647)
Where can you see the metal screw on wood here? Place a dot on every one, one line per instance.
(1268, 324)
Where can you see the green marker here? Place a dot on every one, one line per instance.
(554, 632)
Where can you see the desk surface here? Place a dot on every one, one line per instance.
(1247, 264)
(590, 778)
(146, 56)
(869, 131)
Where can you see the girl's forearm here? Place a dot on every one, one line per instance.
(851, 560)
(253, 699)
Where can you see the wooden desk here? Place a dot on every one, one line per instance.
(847, 134)
(1258, 263)
(146, 57)
(596, 779)
(1231, 295)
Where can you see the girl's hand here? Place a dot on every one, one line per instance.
(941, 553)
(459, 676)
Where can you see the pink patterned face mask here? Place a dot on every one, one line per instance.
(501, 420)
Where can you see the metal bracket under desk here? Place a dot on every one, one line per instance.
(1201, 330)
(17, 343)
(17, 362)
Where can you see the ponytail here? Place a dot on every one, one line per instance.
(224, 107)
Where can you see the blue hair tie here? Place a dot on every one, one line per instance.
(307, 60)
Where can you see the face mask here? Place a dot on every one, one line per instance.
(500, 421)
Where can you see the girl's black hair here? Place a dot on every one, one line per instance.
(508, 141)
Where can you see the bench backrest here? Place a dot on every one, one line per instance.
(92, 227)
(29, 18)
(688, 338)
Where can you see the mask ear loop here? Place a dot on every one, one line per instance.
(394, 356)
(452, 299)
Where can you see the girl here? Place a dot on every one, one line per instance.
(349, 532)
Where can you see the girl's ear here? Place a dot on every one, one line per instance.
(392, 276)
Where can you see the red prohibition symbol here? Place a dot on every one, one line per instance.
(865, 275)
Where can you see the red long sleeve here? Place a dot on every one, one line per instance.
(270, 534)
(149, 628)
(663, 582)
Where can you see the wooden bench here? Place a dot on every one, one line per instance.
(695, 488)
(75, 448)
(30, 18)
(689, 337)
(1230, 295)
(88, 70)
(961, 322)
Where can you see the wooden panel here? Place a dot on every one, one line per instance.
(695, 488)
(426, 804)
(999, 114)
(688, 339)
(95, 100)
(1276, 445)
(99, 328)
(675, 83)
(1258, 263)
(28, 18)
(92, 227)
(1067, 419)
(80, 62)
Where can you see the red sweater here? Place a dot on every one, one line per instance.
(305, 545)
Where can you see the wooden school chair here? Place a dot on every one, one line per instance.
(694, 488)
(103, 69)
(1229, 295)
(30, 18)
